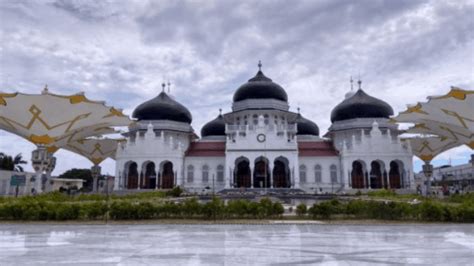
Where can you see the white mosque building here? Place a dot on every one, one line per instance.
(261, 144)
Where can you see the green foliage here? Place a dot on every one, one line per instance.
(301, 210)
(11, 163)
(84, 174)
(382, 193)
(175, 192)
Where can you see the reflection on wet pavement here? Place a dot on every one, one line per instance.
(278, 244)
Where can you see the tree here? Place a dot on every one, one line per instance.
(84, 174)
(11, 164)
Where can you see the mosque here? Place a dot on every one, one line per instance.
(261, 144)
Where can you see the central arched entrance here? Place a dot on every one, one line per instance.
(375, 175)
(281, 173)
(261, 173)
(242, 174)
(167, 176)
(357, 175)
(150, 176)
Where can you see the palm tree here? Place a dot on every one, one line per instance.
(11, 164)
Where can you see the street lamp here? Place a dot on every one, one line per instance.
(428, 172)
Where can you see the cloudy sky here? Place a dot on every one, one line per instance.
(121, 51)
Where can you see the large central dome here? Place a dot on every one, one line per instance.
(260, 87)
(162, 107)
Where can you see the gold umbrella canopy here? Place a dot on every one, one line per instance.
(46, 118)
(93, 131)
(426, 148)
(448, 116)
(453, 109)
(96, 150)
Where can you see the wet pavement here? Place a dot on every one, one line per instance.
(273, 244)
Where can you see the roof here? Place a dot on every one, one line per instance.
(162, 107)
(316, 148)
(206, 149)
(260, 87)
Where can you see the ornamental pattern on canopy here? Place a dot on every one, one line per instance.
(47, 118)
(96, 150)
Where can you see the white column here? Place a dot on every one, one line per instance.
(251, 176)
(271, 166)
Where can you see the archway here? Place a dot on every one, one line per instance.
(167, 176)
(395, 175)
(281, 173)
(150, 176)
(375, 175)
(357, 175)
(261, 173)
(242, 175)
(132, 176)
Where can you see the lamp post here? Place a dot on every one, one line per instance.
(428, 172)
(42, 161)
(95, 172)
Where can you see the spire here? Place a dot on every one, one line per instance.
(220, 111)
(163, 85)
(45, 90)
(169, 87)
(298, 109)
(352, 84)
(360, 84)
(259, 65)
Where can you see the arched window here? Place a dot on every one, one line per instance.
(303, 173)
(255, 119)
(190, 173)
(220, 173)
(317, 174)
(333, 170)
(205, 174)
(266, 119)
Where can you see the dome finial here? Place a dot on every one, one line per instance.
(169, 87)
(360, 84)
(163, 85)
(45, 90)
(352, 84)
(220, 111)
(259, 65)
(298, 108)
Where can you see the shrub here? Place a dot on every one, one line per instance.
(175, 192)
(381, 193)
(301, 209)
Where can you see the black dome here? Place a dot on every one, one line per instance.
(361, 105)
(215, 127)
(260, 87)
(162, 107)
(306, 126)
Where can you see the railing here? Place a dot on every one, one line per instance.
(271, 127)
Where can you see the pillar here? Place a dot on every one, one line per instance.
(251, 176)
(271, 166)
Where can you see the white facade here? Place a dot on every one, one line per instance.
(261, 146)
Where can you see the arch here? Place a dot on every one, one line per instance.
(333, 173)
(303, 173)
(149, 175)
(242, 173)
(395, 174)
(167, 175)
(318, 177)
(357, 174)
(220, 173)
(132, 175)
(205, 173)
(190, 173)
(376, 175)
(261, 173)
(281, 173)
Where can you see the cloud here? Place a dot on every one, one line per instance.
(121, 51)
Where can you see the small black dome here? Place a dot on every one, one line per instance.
(306, 126)
(361, 105)
(162, 107)
(260, 87)
(215, 127)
